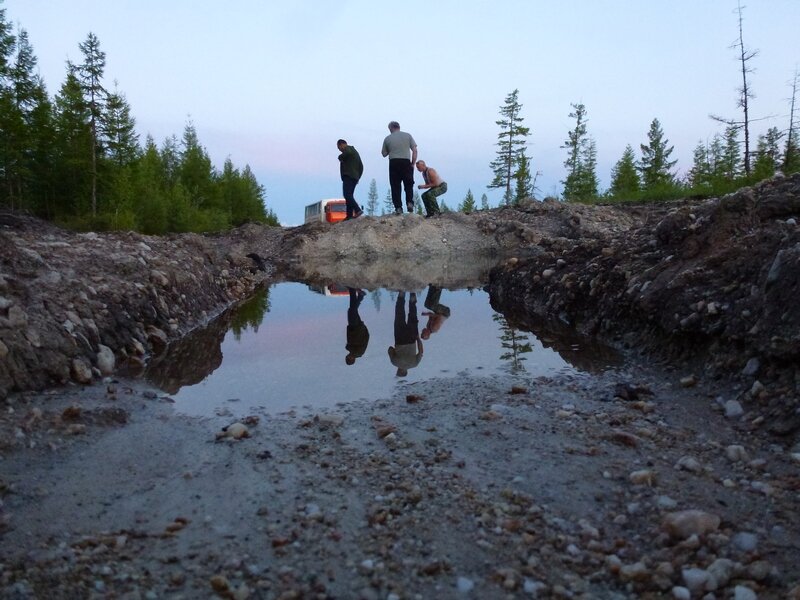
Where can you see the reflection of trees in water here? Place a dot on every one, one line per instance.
(195, 356)
(250, 314)
(514, 343)
(376, 299)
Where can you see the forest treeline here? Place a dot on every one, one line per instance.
(76, 158)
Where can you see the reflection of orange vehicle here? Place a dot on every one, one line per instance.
(332, 210)
(331, 290)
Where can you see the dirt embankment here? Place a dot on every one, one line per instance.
(75, 306)
(715, 282)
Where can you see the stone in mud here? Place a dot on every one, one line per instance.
(683, 524)
(105, 360)
(81, 372)
(234, 431)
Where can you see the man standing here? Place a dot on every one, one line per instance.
(396, 146)
(407, 350)
(351, 168)
(434, 185)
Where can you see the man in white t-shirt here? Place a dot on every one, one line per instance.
(401, 149)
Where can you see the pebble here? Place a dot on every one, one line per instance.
(464, 585)
(681, 593)
(688, 381)
(666, 502)
(688, 463)
(642, 477)
(733, 409)
(745, 541)
(695, 579)
(757, 388)
(752, 367)
(741, 592)
(736, 453)
(685, 523)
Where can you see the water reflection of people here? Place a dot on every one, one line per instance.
(437, 312)
(407, 350)
(357, 333)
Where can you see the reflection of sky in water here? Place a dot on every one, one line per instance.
(297, 356)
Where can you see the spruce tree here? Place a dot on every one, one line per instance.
(522, 178)
(510, 145)
(624, 177)
(700, 173)
(388, 205)
(576, 139)
(73, 138)
(655, 166)
(118, 128)
(90, 74)
(468, 205)
(768, 154)
(484, 202)
(731, 158)
(372, 198)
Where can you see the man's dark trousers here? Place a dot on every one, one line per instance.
(401, 171)
(348, 189)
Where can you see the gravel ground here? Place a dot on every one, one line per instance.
(497, 487)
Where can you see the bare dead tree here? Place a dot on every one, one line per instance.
(745, 92)
(791, 145)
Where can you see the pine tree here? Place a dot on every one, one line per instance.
(90, 74)
(372, 198)
(468, 205)
(655, 166)
(624, 177)
(511, 145)
(484, 202)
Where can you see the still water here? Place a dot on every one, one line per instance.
(286, 348)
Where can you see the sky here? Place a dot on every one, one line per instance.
(274, 84)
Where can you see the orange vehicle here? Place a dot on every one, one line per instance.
(331, 210)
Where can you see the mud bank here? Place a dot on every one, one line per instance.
(712, 285)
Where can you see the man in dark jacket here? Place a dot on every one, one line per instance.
(351, 168)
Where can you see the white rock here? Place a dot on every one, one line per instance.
(105, 359)
(736, 453)
(695, 579)
(741, 592)
(681, 593)
(533, 587)
(733, 409)
(688, 463)
(721, 570)
(666, 502)
(757, 388)
(547, 273)
(745, 541)
(686, 523)
(642, 477)
(464, 585)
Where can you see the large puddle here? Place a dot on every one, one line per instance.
(303, 346)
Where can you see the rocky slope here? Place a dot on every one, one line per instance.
(715, 282)
(75, 306)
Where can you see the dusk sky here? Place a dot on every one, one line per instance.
(275, 84)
